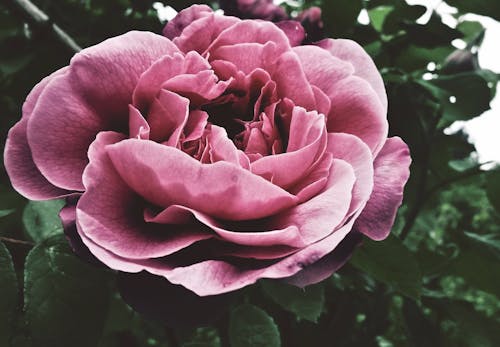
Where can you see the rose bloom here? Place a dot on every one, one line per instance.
(215, 155)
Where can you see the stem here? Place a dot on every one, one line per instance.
(420, 199)
(476, 170)
(171, 337)
(422, 182)
(16, 241)
(33, 14)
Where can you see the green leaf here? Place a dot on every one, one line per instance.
(66, 300)
(203, 337)
(390, 262)
(306, 303)
(41, 219)
(401, 14)
(493, 188)
(446, 149)
(377, 16)
(250, 326)
(490, 8)
(475, 265)
(433, 34)
(8, 297)
(414, 57)
(340, 16)
(4, 213)
(465, 95)
(470, 29)
(491, 241)
(470, 328)
(422, 331)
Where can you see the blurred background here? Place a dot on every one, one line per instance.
(434, 282)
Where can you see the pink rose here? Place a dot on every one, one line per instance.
(217, 155)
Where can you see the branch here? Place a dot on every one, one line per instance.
(476, 170)
(16, 241)
(33, 14)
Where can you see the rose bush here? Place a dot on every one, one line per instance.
(215, 155)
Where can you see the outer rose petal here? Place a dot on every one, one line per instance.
(216, 277)
(327, 265)
(92, 95)
(356, 110)
(68, 219)
(321, 68)
(173, 177)
(364, 66)
(184, 18)
(391, 173)
(110, 214)
(24, 175)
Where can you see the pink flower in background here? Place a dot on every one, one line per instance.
(253, 9)
(306, 26)
(215, 155)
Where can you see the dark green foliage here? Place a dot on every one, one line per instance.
(41, 219)
(434, 282)
(250, 326)
(391, 263)
(56, 285)
(305, 303)
(8, 296)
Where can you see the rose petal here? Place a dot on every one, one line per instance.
(184, 18)
(110, 214)
(326, 266)
(162, 70)
(391, 173)
(216, 276)
(319, 216)
(107, 73)
(24, 175)
(68, 219)
(199, 88)
(175, 178)
(223, 149)
(138, 127)
(321, 68)
(60, 130)
(250, 233)
(167, 117)
(364, 66)
(354, 151)
(93, 95)
(293, 30)
(247, 57)
(291, 81)
(355, 109)
(200, 33)
(315, 181)
(259, 32)
(306, 145)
